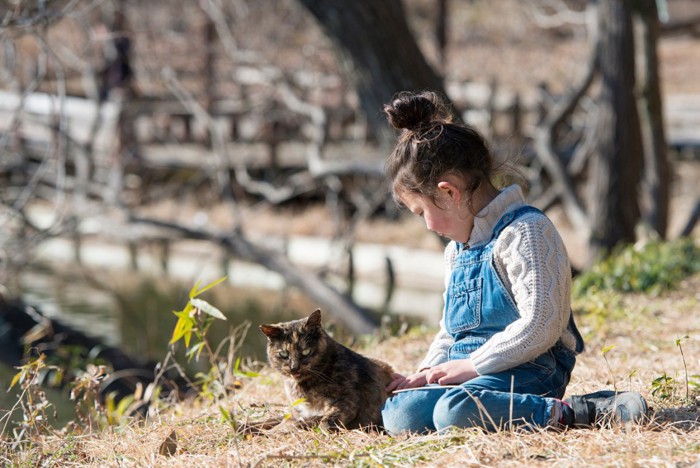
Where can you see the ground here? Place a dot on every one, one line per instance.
(635, 342)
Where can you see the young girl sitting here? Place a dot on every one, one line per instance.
(507, 342)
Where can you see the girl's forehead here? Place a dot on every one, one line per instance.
(412, 200)
(405, 196)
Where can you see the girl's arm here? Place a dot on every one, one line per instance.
(532, 262)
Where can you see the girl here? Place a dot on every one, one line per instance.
(507, 342)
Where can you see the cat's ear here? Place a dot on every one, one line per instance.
(314, 320)
(271, 331)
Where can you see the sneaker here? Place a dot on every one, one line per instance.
(607, 407)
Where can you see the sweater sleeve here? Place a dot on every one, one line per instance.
(437, 353)
(531, 260)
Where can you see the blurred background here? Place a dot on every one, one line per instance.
(147, 145)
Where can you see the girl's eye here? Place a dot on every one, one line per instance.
(283, 354)
(305, 352)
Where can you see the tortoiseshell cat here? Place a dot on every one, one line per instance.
(341, 388)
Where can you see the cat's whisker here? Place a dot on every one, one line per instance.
(321, 375)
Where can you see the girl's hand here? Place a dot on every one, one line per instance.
(451, 372)
(412, 381)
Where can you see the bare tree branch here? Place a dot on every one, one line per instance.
(544, 142)
(346, 311)
(560, 14)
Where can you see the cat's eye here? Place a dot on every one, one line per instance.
(305, 352)
(283, 354)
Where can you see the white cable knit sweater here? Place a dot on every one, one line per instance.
(531, 260)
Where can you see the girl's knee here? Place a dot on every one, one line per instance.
(457, 408)
(404, 413)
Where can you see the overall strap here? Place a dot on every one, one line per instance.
(509, 217)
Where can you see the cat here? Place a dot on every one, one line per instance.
(340, 388)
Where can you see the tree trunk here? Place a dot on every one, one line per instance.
(377, 52)
(617, 158)
(657, 170)
(441, 32)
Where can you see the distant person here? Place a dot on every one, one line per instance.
(507, 342)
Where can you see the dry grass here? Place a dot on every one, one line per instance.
(642, 329)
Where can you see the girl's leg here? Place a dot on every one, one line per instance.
(472, 405)
(523, 395)
(411, 411)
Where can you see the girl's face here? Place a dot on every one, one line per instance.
(444, 218)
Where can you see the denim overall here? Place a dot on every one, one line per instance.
(477, 306)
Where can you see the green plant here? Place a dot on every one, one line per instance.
(651, 268)
(685, 366)
(605, 352)
(666, 387)
(90, 407)
(663, 387)
(32, 401)
(193, 323)
(629, 378)
(196, 318)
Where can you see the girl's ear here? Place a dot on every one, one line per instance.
(450, 189)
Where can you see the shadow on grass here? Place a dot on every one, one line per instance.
(684, 418)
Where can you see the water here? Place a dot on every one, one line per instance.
(133, 311)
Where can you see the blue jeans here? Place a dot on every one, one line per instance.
(485, 401)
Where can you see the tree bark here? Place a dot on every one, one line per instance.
(657, 168)
(441, 32)
(617, 159)
(377, 52)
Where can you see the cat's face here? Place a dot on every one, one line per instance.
(294, 347)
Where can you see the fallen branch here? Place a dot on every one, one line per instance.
(357, 319)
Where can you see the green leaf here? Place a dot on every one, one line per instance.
(207, 308)
(195, 350)
(607, 349)
(226, 415)
(237, 370)
(123, 405)
(207, 287)
(193, 291)
(16, 378)
(109, 404)
(183, 327)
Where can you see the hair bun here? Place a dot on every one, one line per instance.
(414, 110)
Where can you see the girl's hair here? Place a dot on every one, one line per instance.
(431, 145)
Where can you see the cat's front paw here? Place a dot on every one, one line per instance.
(307, 423)
(331, 424)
